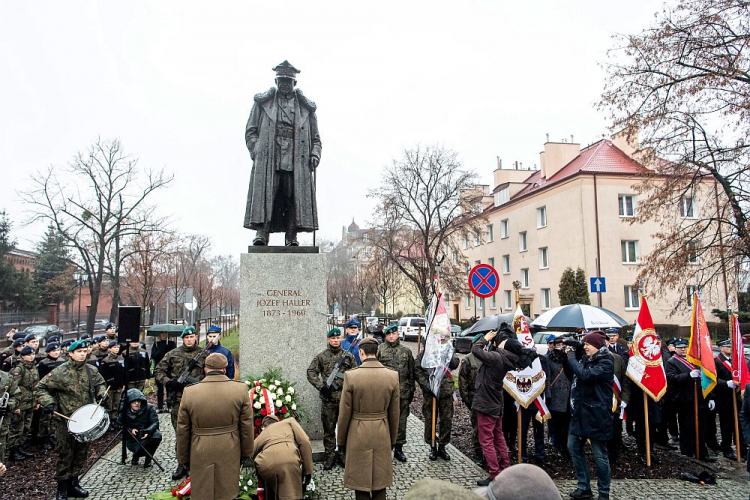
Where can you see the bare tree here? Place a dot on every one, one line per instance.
(340, 282)
(227, 273)
(385, 279)
(425, 203)
(682, 87)
(145, 271)
(101, 199)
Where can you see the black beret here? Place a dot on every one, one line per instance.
(27, 350)
(19, 335)
(112, 344)
(52, 346)
(17, 343)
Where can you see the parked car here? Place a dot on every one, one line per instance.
(409, 328)
(462, 341)
(42, 332)
(99, 324)
(455, 330)
(540, 339)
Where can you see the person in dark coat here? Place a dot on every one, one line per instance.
(160, 349)
(744, 417)
(558, 400)
(591, 412)
(488, 400)
(528, 416)
(142, 424)
(723, 394)
(138, 366)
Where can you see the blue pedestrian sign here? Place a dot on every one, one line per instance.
(598, 284)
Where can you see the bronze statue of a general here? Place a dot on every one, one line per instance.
(284, 144)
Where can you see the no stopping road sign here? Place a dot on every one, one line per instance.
(484, 281)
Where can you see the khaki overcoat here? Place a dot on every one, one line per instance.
(368, 424)
(214, 429)
(279, 451)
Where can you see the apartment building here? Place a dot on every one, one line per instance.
(576, 211)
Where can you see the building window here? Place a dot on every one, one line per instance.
(543, 260)
(467, 301)
(627, 205)
(504, 229)
(691, 289)
(631, 298)
(522, 247)
(692, 249)
(502, 196)
(524, 278)
(541, 217)
(629, 251)
(477, 238)
(546, 299)
(480, 305)
(464, 243)
(687, 207)
(506, 264)
(507, 299)
(490, 234)
(493, 302)
(491, 262)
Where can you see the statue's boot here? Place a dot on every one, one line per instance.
(261, 237)
(291, 239)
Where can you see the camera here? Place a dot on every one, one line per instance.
(573, 342)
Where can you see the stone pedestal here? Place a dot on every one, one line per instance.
(283, 318)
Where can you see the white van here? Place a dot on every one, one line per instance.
(409, 327)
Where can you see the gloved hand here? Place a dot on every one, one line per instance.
(306, 480)
(104, 400)
(47, 410)
(695, 373)
(623, 405)
(712, 405)
(731, 384)
(245, 461)
(325, 391)
(174, 385)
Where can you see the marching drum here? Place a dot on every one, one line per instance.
(87, 424)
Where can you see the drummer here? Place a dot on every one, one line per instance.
(64, 390)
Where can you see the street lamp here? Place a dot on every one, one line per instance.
(81, 279)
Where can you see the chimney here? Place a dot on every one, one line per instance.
(556, 155)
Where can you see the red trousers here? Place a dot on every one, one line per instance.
(493, 443)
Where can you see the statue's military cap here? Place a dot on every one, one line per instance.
(286, 70)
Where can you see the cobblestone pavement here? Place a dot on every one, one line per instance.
(108, 480)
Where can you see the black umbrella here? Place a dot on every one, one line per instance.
(492, 323)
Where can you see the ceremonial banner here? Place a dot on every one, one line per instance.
(645, 366)
(740, 373)
(527, 384)
(543, 413)
(437, 353)
(700, 350)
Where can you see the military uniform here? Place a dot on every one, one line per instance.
(7, 384)
(723, 395)
(113, 372)
(444, 413)
(26, 376)
(400, 359)
(44, 367)
(278, 452)
(467, 379)
(139, 368)
(69, 387)
(680, 393)
(320, 368)
(171, 367)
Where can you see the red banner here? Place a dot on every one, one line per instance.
(645, 367)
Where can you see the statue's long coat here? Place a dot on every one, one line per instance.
(260, 136)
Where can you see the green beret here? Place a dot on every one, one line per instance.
(78, 344)
(390, 329)
(476, 337)
(335, 332)
(188, 331)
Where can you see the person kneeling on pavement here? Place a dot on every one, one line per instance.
(279, 449)
(140, 427)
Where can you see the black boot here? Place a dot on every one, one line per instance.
(47, 444)
(75, 489)
(398, 453)
(442, 453)
(15, 455)
(179, 472)
(433, 453)
(341, 458)
(25, 450)
(62, 490)
(330, 460)
(147, 462)
(135, 459)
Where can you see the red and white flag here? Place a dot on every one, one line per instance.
(645, 367)
(740, 373)
(527, 385)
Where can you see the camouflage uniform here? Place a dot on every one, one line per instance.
(113, 372)
(7, 384)
(317, 373)
(172, 366)
(400, 359)
(45, 366)
(26, 377)
(444, 413)
(467, 378)
(69, 387)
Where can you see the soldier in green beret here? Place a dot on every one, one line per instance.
(169, 369)
(64, 390)
(399, 358)
(318, 372)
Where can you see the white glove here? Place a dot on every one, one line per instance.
(731, 384)
(695, 373)
(712, 405)
(622, 410)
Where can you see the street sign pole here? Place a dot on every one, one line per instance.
(598, 293)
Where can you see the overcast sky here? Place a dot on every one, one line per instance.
(174, 81)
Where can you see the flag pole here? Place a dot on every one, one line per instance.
(645, 397)
(695, 385)
(518, 406)
(434, 420)
(738, 356)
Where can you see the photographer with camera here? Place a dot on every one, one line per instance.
(591, 410)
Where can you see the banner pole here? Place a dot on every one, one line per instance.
(648, 433)
(736, 427)
(520, 447)
(697, 435)
(434, 422)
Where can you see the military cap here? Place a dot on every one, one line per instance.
(214, 329)
(612, 331)
(53, 338)
(550, 338)
(680, 342)
(476, 337)
(85, 336)
(52, 346)
(335, 332)
(630, 338)
(27, 350)
(724, 343)
(30, 337)
(17, 343)
(187, 331)
(286, 70)
(66, 343)
(216, 361)
(112, 344)
(389, 329)
(99, 338)
(368, 340)
(78, 344)
(352, 323)
(110, 326)
(19, 335)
